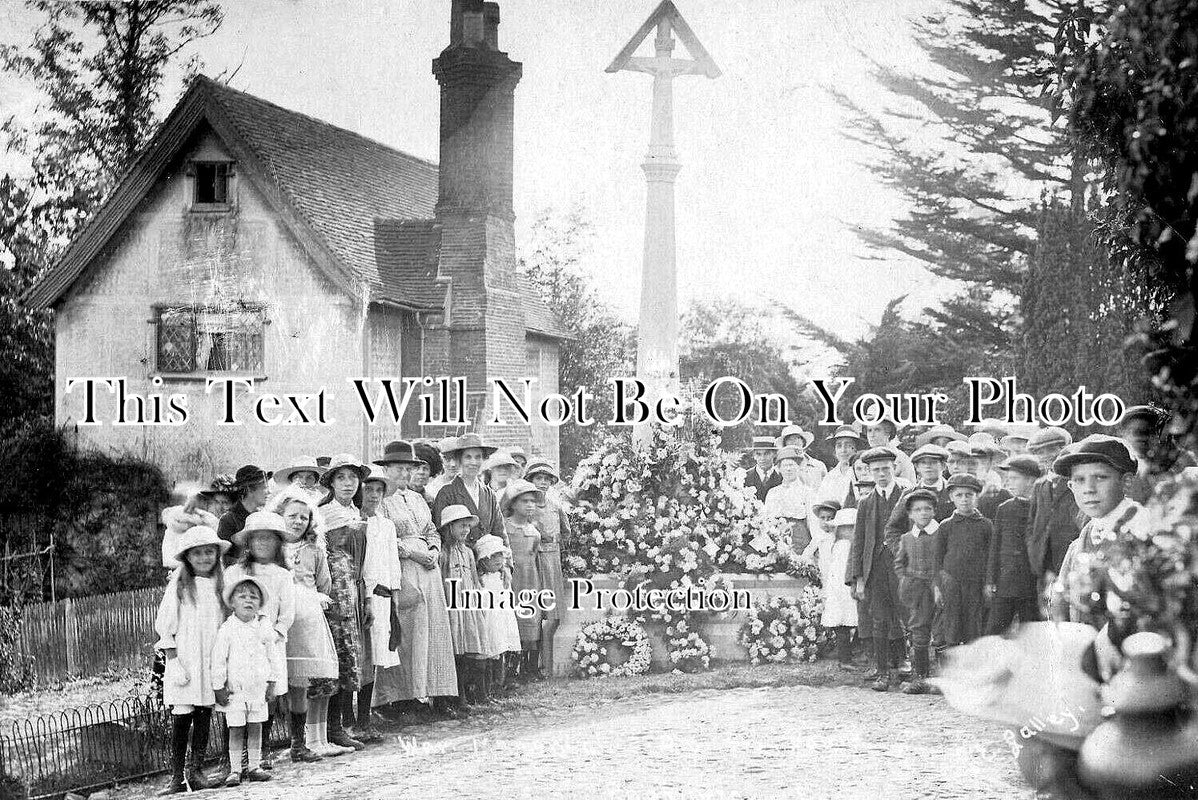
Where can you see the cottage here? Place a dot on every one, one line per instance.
(252, 241)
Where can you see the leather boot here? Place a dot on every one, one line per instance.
(337, 733)
(180, 727)
(882, 658)
(299, 746)
(201, 725)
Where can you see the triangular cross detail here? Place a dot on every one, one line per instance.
(667, 12)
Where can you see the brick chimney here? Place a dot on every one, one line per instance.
(484, 323)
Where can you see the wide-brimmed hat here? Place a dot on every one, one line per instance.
(344, 460)
(541, 468)
(938, 432)
(796, 430)
(232, 585)
(501, 458)
(792, 453)
(919, 494)
(845, 516)
(377, 473)
(764, 443)
(247, 476)
(1095, 448)
(469, 441)
(446, 444)
(488, 546)
(298, 464)
(1049, 437)
(1028, 465)
(963, 480)
(929, 451)
(845, 432)
(398, 453)
(826, 505)
(454, 513)
(261, 521)
(335, 515)
(221, 484)
(199, 536)
(517, 488)
(879, 454)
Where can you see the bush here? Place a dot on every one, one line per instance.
(16, 668)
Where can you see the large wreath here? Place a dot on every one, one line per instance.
(600, 642)
(783, 629)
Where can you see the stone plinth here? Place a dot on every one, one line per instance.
(719, 629)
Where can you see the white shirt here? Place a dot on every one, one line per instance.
(836, 484)
(788, 500)
(931, 528)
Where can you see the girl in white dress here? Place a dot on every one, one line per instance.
(791, 499)
(188, 618)
(503, 630)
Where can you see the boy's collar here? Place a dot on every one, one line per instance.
(971, 515)
(930, 528)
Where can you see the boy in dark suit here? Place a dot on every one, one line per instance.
(964, 546)
(918, 572)
(871, 561)
(763, 476)
(1010, 584)
(1052, 511)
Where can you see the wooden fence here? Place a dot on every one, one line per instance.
(88, 635)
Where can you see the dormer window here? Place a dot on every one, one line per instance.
(211, 181)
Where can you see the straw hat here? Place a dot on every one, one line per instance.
(261, 521)
(796, 430)
(764, 443)
(845, 432)
(515, 489)
(446, 444)
(343, 460)
(377, 473)
(502, 458)
(199, 536)
(488, 546)
(298, 464)
(232, 586)
(792, 453)
(469, 441)
(541, 468)
(454, 513)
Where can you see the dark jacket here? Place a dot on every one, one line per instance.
(1007, 568)
(990, 499)
(898, 524)
(868, 537)
(487, 510)
(763, 488)
(231, 522)
(1053, 514)
(965, 546)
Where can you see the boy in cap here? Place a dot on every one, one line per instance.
(1010, 584)
(964, 546)
(960, 459)
(838, 482)
(884, 433)
(1099, 469)
(870, 570)
(763, 477)
(918, 569)
(811, 470)
(1052, 511)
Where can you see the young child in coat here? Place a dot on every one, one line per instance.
(344, 617)
(1010, 584)
(554, 524)
(261, 541)
(503, 632)
(245, 662)
(917, 568)
(188, 618)
(519, 504)
(964, 547)
(467, 625)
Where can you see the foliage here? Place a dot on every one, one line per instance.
(1077, 296)
(783, 629)
(1132, 98)
(592, 650)
(726, 338)
(16, 668)
(100, 69)
(602, 345)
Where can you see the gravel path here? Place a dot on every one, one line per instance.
(815, 742)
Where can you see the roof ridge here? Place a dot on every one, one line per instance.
(226, 88)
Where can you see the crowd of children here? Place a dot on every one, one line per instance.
(324, 591)
(962, 537)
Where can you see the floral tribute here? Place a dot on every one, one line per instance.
(673, 514)
(594, 649)
(784, 629)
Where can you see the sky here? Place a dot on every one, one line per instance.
(771, 188)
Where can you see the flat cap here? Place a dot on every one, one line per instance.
(932, 451)
(1025, 464)
(878, 454)
(1049, 437)
(963, 480)
(919, 494)
(1095, 448)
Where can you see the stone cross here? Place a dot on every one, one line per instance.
(657, 335)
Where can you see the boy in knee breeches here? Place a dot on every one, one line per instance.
(917, 567)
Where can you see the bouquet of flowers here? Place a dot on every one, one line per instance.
(784, 629)
(599, 641)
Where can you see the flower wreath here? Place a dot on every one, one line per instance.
(783, 629)
(591, 650)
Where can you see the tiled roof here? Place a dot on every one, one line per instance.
(406, 254)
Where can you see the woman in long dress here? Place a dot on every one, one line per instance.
(426, 666)
(554, 525)
(468, 489)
